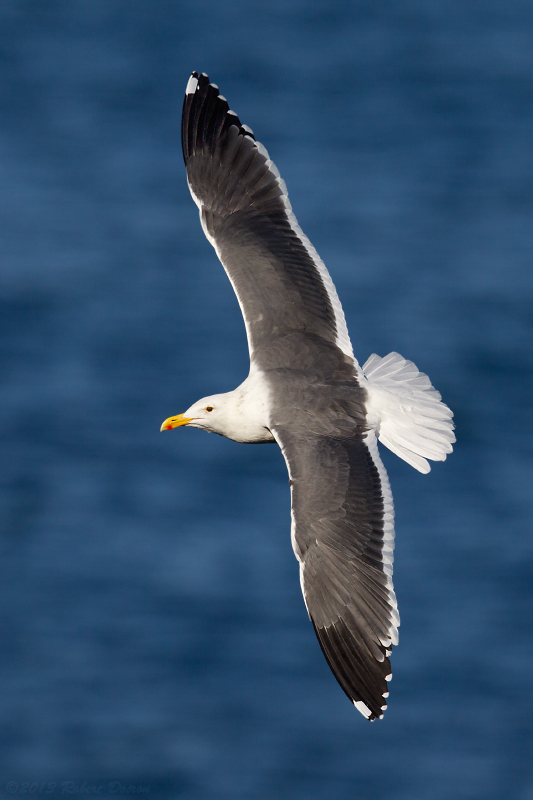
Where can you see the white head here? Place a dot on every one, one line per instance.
(240, 415)
(214, 414)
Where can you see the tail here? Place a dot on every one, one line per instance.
(407, 412)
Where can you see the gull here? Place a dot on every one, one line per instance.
(306, 391)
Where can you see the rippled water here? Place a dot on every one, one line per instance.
(153, 628)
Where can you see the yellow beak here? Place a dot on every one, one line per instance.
(175, 422)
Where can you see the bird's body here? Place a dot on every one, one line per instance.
(307, 392)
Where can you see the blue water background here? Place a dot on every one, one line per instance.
(153, 630)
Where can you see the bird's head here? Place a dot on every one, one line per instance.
(210, 413)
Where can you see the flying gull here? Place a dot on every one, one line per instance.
(307, 392)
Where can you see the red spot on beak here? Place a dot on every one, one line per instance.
(168, 428)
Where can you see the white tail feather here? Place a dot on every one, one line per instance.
(407, 412)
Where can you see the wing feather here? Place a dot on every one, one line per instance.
(343, 537)
(281, 283)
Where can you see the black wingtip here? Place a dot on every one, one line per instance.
(206, 116)
(358, 676)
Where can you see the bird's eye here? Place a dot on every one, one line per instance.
(209, 408)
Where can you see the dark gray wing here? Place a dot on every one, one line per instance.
(281, 283)
(343, 536)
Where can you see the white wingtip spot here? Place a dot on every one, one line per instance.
(360, 706)
(385, 694)
(262, 149)
(191, 86)
(388, 677)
